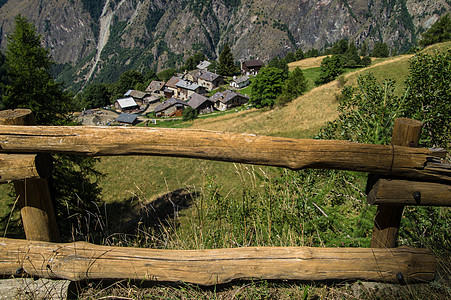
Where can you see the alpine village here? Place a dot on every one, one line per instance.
(225, 149)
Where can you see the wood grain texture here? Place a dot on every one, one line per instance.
(406, 192)
(406, 132)
(18, 116)
(35, 202)
(17, 167)
(80, 260)
(233, 147)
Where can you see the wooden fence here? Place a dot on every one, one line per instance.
(400, 174)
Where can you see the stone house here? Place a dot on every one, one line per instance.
(126, 105)
(156, 87)
(202, 104)
(240, 82)
(228, 99)
(170, 108)
(186, 88)
(210, 80)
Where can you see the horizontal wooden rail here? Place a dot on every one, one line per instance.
(24, 166)
(80, 260)
(234, 147)
(406, 192)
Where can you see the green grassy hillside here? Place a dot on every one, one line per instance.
(302, 118)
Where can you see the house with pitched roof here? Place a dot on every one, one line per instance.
(210, 80)
(186, 88)
(251, 67)
(126, 105)
(228, 99)
(202, 104)
(127, 119)
(139, 97)
(193, 75)
(156, 87)
(171, 88)
(240, 82)
(170, 108)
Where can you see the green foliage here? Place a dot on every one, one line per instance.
(3, 75)
(351, 58)
(339, 47)
(189, 114)
(364, 49)
(127, 81)
(165, 75)
(96, 95)
(193, 61)
(30, 82)
(94, 8)
(366, 61)
(367, 112)
(74, 181)
(267, 86)
(152, 19)
(312, 53)
(278, 63)
(331, 67)
(429, 96)
(439, 32)
(306, 208)
(299, 54)
(227, 65)
(295, 85)
(380, 50)
(290, 57)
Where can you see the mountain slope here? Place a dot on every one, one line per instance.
(97, 41)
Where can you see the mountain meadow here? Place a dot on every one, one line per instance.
(336, 70)
(179, 203)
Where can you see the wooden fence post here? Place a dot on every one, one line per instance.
(36, 209)
(406, 132)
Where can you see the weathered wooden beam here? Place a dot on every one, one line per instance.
(80, 260)
(35, 203)
(232, 147)
(406, 132)
(407, 192)
(21, 166)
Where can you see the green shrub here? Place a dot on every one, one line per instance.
(189, 114)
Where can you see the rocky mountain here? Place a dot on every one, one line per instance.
(98, 40)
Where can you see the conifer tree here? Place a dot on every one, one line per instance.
(30, 84)
(227, 65)
(73, 184)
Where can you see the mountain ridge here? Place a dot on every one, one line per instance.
(145, 34)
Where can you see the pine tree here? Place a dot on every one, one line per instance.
(73, 183)
(30, 82)
(227, 65)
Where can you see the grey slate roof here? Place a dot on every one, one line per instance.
(209, 76)
(135, 94)
(241, 79)
(127, 118)
(173, 81)
(168, 103)
(226, 96)
(187, 85)
(197, 100)
(155, 85)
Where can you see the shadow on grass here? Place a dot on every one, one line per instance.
(134, 214)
